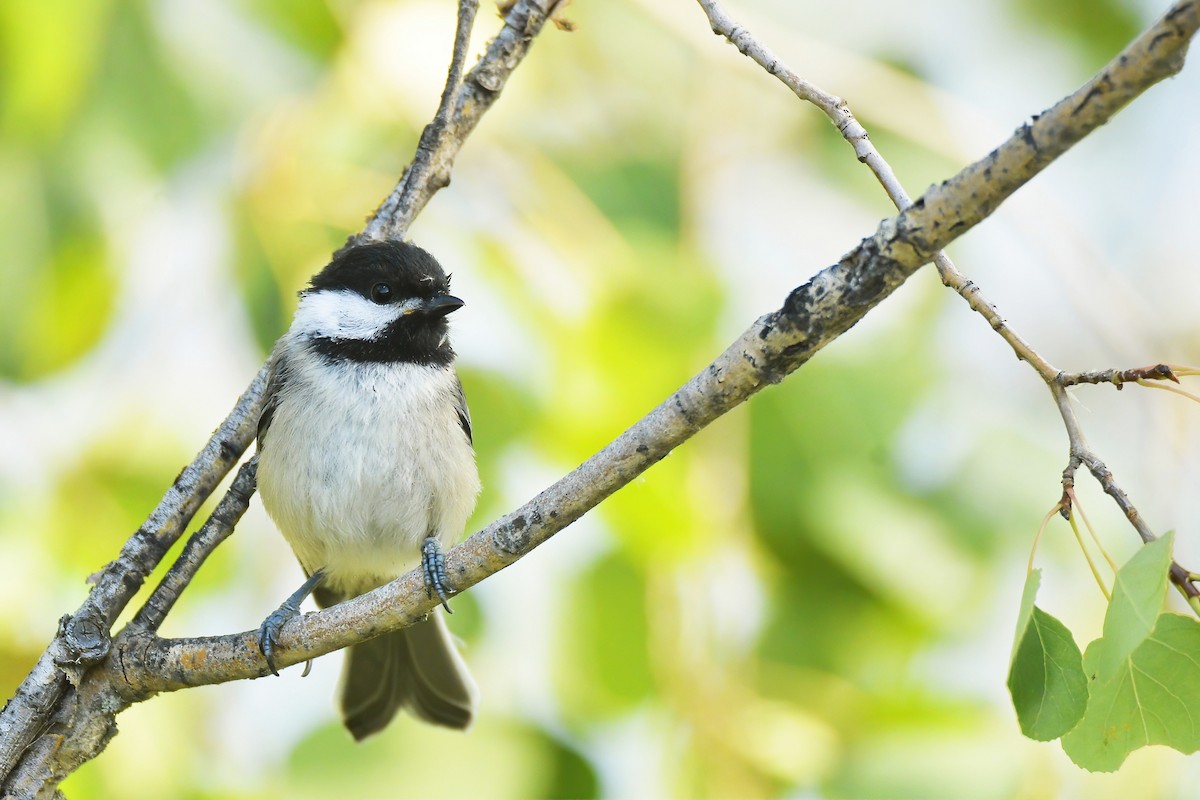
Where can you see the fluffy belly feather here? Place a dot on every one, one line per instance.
(371, 462)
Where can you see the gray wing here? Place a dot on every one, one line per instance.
(460, 408)
(277, 377)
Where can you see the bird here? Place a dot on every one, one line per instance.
(366, 465)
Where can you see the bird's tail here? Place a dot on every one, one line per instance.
(418, 668)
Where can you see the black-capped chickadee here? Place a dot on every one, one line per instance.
(365, 464)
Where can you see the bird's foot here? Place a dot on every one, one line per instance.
(433, 566)
(268, 632)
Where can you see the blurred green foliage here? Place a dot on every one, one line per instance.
(775, 609)
(1097, 28)
(312, 28)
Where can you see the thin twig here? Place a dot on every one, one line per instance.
(854, 133)
(202, 543)
(395, 214)
(475, 95)
(1119, 377)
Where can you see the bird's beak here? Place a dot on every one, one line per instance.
(441, 305)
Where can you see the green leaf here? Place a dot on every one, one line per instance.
(1046, 679)
(1137, 601)
(1144, 671)
(1150, 700)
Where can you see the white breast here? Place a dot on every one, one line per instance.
(362, 462)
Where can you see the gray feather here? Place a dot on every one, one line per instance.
(460, 408)
(416, 668)
(276, 379)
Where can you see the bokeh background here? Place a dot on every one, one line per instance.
(816, 596)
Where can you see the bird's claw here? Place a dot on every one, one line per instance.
(433, 567)
(268, 632)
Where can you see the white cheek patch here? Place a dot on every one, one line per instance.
(344, 314)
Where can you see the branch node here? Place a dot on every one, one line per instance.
(83, 642)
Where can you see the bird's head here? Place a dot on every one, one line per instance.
(379, 302)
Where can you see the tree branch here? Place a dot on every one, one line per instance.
(774, 346)
(83, 638)
(854, 133)
(203, 542)
(444, 137)
(397, 212)
(48, 702)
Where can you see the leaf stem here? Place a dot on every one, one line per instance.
(1038, 538)
(1091, 564)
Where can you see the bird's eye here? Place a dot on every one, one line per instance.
(381, 293)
